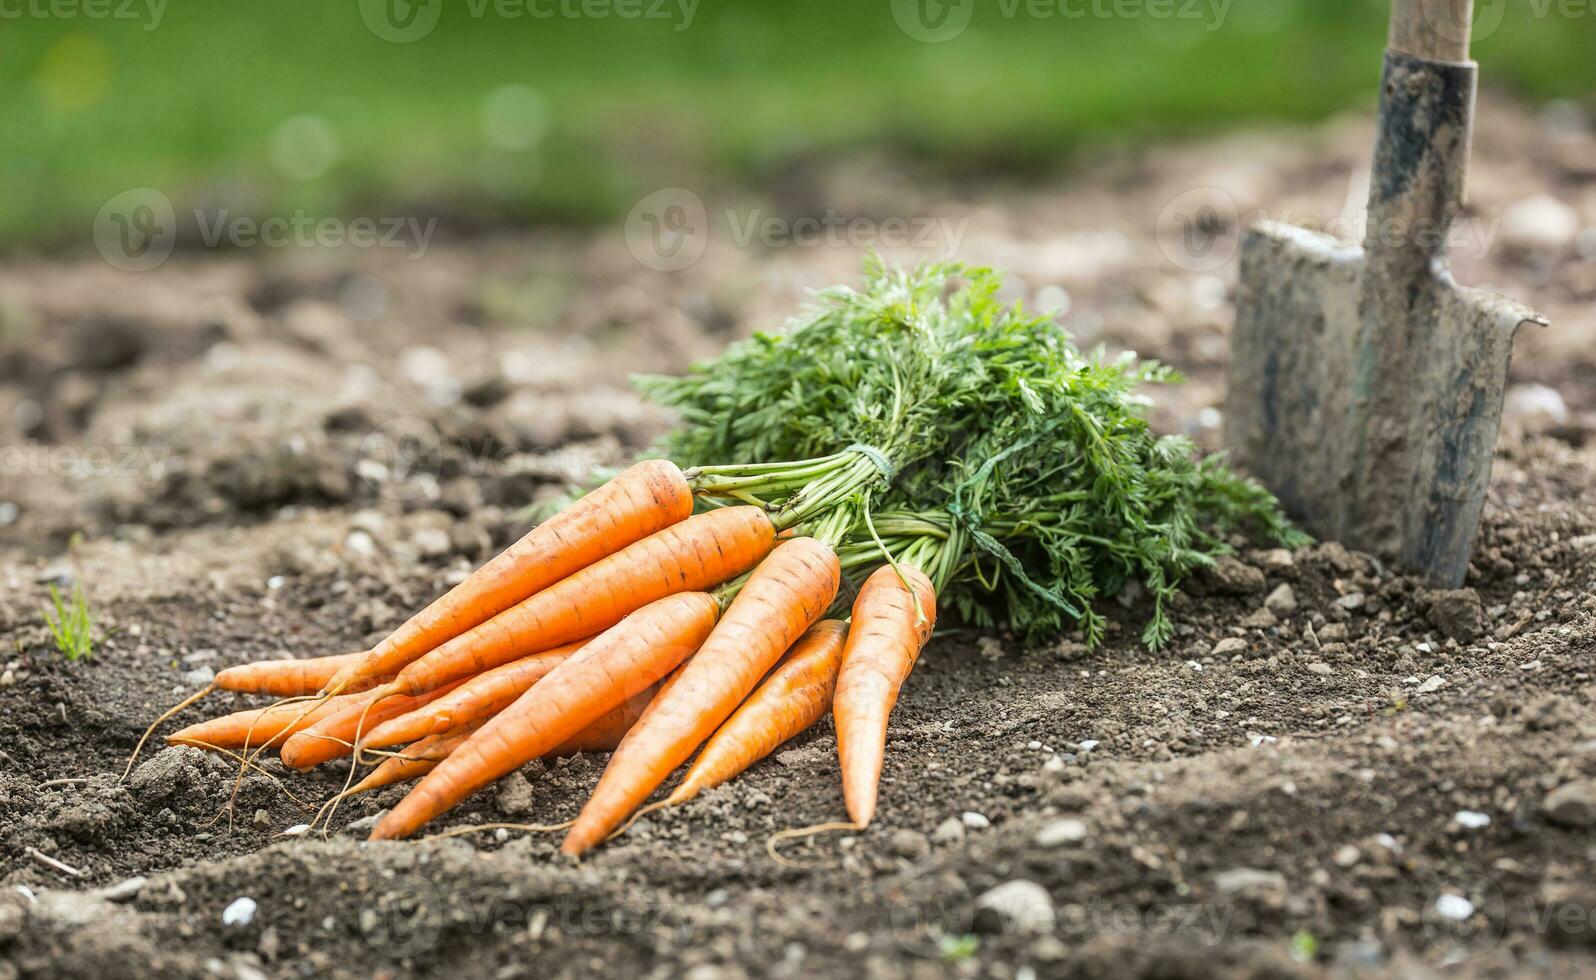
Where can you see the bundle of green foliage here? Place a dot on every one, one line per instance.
(1022, 470)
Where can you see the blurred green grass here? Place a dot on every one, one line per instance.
(295, 104)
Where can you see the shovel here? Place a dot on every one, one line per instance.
(1366, 385)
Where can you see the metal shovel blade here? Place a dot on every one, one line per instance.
(1366, 386)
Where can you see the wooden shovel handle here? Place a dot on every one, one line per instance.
(1437, 30)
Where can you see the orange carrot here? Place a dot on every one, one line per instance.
(795, 696)
(890, 626)
(480, 697)
(606, 734)
(646, 498)
(259, 725)
(332, 736)
(697, 553)
(615, 665)
(783, 597)
(284, 678)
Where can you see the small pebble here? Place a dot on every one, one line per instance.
(1282, 601)
(1572, 805)
(360, 543)
(1229, 646)
(1321, 668)
(125, 890)
(948, 831)
(8, 678)
(240, 913)
(1060, 832)
(1351, 601)
(1431, 685)
(974, 821)
(275, 582)
(1017, 906)
(1472, 819)
(1347, 855)
(1454, 907)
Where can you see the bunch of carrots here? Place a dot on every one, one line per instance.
(901, 442)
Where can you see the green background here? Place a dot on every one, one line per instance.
(210, 104)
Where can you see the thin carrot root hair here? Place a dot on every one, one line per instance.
(354, 766)
(168, 713)
(246, 758)
(796, 833)
(623, 828)
(201, 744)
(531, 828)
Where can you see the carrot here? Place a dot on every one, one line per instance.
(257, 725)
(418, 759)
(795, 696)
(281, 678)
(644, 499)
(284, 678)
(481, 697)
(333, 735)
(890, 626)
(695, 554)
(616, 665)
(606, 734)
(783, 597)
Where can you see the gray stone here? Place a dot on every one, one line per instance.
(910, 844)
(949, 831)
(1457, 613)
(1018, 906)
(1282, 601)
(1061, 832)
(1229, 647)
(1572, 805)
(1248, 880)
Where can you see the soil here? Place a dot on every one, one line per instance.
(248, 455)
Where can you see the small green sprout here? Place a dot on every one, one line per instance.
(71, 626)
(1304, 946)
(957, 949)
